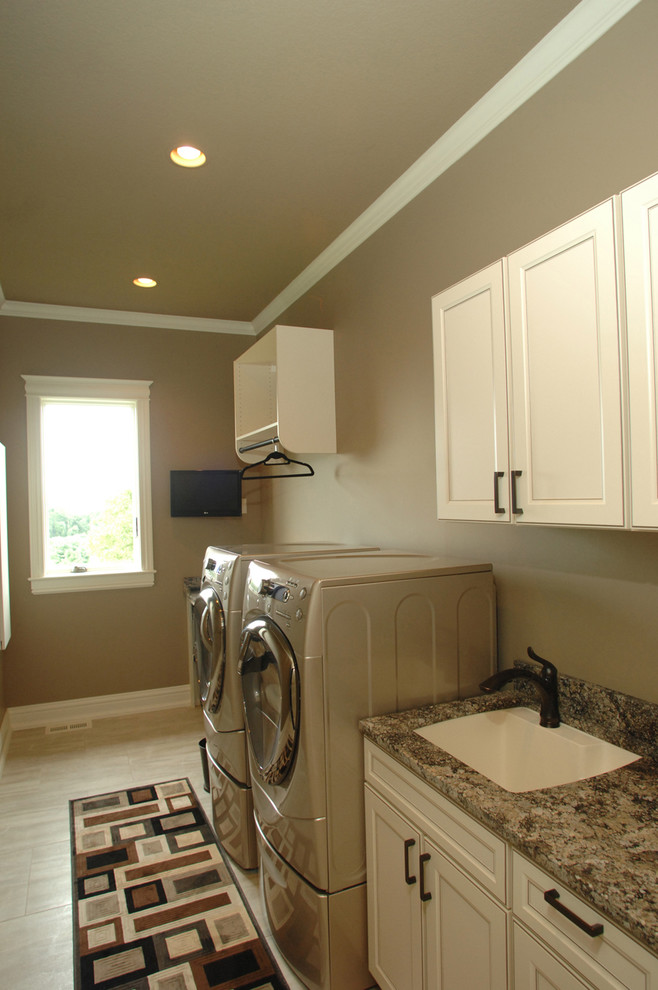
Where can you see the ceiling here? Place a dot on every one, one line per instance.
(307, 110)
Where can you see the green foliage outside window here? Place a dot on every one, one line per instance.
(97, 538)
(111, 532)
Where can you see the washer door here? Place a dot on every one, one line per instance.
(209, 647)
(270, 690)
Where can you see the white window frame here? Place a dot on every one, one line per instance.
(40, 387)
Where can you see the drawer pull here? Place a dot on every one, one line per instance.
(407, 875)
(552, 897)
(424, 894)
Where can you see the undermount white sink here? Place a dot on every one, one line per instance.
(510, 747)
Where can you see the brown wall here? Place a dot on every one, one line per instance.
(587, 599)
(92, 643)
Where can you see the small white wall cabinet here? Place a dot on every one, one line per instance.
(442, 910)
(640, 227)
(284, 389)
(527, 360)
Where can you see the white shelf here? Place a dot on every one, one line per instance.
(284, 388)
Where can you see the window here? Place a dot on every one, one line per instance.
(89, 480)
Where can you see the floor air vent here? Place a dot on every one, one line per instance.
(68, 727)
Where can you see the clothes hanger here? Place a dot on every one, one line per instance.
(279, 457)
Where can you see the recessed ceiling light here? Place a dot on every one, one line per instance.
(187, 156)
(144, 282)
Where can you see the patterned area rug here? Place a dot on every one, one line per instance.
(156, 906)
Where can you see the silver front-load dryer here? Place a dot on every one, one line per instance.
(327, 642)
(218, 626)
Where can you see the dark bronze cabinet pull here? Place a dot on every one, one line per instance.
(516, 509)
(552, 897)
(407, 875)
(497, 476)
(424, 894)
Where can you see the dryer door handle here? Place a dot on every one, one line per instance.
(204, 628)
(207, 620)
(219, 663)
(294, 698)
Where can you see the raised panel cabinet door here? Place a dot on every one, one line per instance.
(464, 930)
(537, 969)
(394, 925)
(470, 398)
(566, 451)
(640, 230)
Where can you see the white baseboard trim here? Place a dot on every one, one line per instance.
(5, 739)
(104, 706)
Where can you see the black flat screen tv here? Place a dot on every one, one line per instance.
(206, 493)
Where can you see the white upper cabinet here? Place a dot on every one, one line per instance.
(640, 225)
(566, 435)
(527, 384)
(472, 465)
(284, 393)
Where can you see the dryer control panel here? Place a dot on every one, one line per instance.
(217, 574)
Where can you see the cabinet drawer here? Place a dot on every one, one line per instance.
(472, 846)
(535, 966)
(610, 960)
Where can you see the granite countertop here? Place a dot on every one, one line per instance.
(191, 585)
(598, 836)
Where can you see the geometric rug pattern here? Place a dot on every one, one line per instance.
(155, 906)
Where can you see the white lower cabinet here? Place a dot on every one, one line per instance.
(442, 914)
(430, 926)
(538, 969)
(394, 907)
(465, 931)
(602, 956)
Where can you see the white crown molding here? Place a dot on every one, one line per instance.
(79, 314)
(586, 23)
(104, 706)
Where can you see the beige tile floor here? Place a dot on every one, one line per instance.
(42, 773)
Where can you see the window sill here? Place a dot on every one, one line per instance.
(90, 581)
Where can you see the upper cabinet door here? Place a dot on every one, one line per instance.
(565, 375)
(640, 224)
(471, 398)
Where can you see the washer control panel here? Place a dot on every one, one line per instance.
(274, 594)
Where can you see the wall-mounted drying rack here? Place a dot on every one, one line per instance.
(276, 457)
(260, 443)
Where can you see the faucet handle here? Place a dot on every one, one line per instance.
(549, 670)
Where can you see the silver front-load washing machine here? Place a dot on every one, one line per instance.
(326, 642)
(217, 629)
